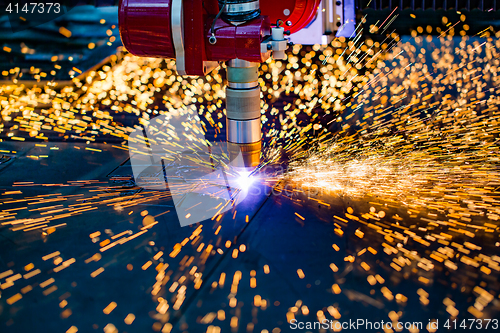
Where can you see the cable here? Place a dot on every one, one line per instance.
(212, 39)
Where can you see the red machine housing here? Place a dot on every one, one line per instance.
(300, 12)
(242, 41)
(146, 30)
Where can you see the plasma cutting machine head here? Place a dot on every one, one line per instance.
(200, 34)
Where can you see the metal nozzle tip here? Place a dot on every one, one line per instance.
(245, 156)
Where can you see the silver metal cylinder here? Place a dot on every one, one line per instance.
(243, 104)
(242, 74)
(243, 101)
(243, 131)
(241, 7)
(243, 111)
(239, 11)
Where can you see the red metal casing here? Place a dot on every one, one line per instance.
(145, 27)
(196, 13)
(301, 12)
(242, 41)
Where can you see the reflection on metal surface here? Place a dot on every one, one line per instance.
(243, 131)
(177, 15)
(245, 155)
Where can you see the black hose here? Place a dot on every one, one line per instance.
(212, 39)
